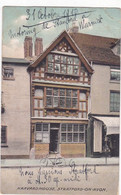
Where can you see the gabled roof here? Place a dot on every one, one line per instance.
(96, 49)
(52, 46)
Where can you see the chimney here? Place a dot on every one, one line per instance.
(75, 27)
(38, 46)
(28, 47)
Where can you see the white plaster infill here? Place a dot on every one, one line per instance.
(61, 83)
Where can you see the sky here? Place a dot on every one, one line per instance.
(48, 22)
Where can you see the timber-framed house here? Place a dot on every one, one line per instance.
(60, 92)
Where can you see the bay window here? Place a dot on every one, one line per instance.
(61, 98)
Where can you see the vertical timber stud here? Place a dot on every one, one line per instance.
(33, 92)
(87, 95)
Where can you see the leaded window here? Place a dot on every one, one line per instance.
(61, 98)
(73, 133)
(63, 64)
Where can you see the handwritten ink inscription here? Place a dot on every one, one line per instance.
(46, 19)
(54, 172)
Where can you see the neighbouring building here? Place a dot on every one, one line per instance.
(103, 129)
(60, 89)
(15, 109)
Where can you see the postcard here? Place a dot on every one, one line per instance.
(60, 100)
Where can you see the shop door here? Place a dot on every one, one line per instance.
(54, 141)
(115, 145)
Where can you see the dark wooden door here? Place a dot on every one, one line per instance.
(54, 141)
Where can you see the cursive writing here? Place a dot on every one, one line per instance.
(86, 24)
(56, 175)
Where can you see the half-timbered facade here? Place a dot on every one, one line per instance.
(60, 88)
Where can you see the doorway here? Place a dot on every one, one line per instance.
(113, 143)
(54, 141)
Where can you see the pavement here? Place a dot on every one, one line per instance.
(59, 161)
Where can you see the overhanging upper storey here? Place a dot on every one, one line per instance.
(62, 60)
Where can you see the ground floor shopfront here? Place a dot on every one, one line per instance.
(103, 136)
(64, 137)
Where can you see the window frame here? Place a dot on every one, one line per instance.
(61, 64)
(73, 132)
(5, 77)
(42, 132)
(114, 71)
(113, 102)
(60, 96)
(4, 144)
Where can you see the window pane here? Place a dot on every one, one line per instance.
(57, 59)
(69, 127)
(84, 105)
(62, 92)
(57, 68)
(63, 137)
(76, 70)
(63, 68)
(49, 101)
(81, 137)
(45, 127)
(38, 127)
(8, 72)
(55, 101)
(74, 103)
(38, 137)
(68, 102)
(45, 137)
(115, 75)
(114, 101)
(75, 128)
(69, 69)
(38, 92)
(69, 138)
(70, 60)
(75, 137)
(35, 103)
(51, 58)
(81, 128)
(74, 93)
(63, 127)
(63, 59)
(50, 67)
(36, 113)
(49, 91)
(84, 115)
(55, 92)
(68, 92)
(76, 60)
(82, 96)
(62, 102)
(36, 74)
